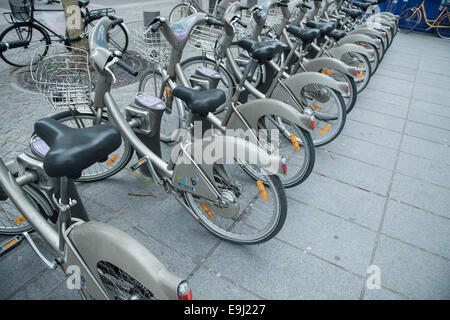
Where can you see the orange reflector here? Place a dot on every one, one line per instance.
(113, 158)
(294, 142)
(9, 244)
(180, 10)
(206, 209)
(328, 72)
(168, 91)
(360, 76)
(20, 219)
(262, 189)
(316, 106)
(325, 129)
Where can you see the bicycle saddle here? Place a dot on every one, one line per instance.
(337, 34)
(324, 27)
(73, 150)
(83, 3)
(262, 51)
(200, 102)
(353, 13)
(361, 5)
(306, 35)
(372, 2)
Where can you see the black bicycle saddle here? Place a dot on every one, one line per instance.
(262, 51)
(73, 150)
(353, 13)
(306, 35)
(324, 27)
(200, 102)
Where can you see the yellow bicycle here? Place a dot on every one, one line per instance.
(411, 16)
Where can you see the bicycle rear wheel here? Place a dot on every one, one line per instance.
(409, 18)
(443, 29)
(38, 40)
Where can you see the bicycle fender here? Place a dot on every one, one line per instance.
(368, 31)
(96, 241)
(320, 63)
(198, 178)
(359, 37)
(254, 110)
(299, 81)
(338, 52)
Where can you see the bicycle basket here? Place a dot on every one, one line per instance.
(152, 47)
(21, 10)
(242, 32)
(274, 18)
(205, 37)
(63, 78)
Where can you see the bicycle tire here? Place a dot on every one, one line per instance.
(444, 33)
(275, 186)
(183, 7)
(20, 225)
(43, 40)
(409, 18)
(116, 165)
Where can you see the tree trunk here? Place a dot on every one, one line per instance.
(74, 24)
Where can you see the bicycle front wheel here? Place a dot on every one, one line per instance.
(443, 27)
(117, 36)
(39, 42)
(259, 210)
(329, 110)
(180, 11)
(361, 62)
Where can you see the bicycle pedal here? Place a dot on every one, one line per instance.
(51, 265)
(10, 244)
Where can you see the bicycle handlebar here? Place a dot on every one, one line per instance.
(125, 66)
(214, 22)
(13, 44)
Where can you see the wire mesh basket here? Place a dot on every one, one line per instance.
(274, 18)
(152, 47)
(205, 37)
(21, 10)
(244, 32)
(63, 78)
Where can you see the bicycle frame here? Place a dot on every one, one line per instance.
(430, 22)
(72, 241)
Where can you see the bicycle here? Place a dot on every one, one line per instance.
(111, 264)
(190, 7)
(24, 26)
(411, 17)
(218, 192)
(250, 117)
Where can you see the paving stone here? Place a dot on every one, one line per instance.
(382, 96)
(173, 225)
(41, 286)
(353, 172)
(338, 241)
(364, 151)
(388, 84)
(418, 228)
(424, 169)
(348, 202)
(427, 132)
(373, 134)
(411, 271)
(431, 94)
(426, 149)
(205, 284)
(432, 120)
(421, 194)
(376, 119)
(382, 294)
(432, 108)
(293, 274)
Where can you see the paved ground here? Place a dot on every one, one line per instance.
(379, 195)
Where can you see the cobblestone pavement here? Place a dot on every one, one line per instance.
(379, 195)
